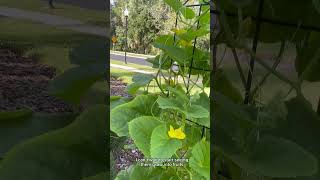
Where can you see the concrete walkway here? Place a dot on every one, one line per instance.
(131, 69)
(57, 21)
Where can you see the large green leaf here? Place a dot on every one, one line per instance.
(273, 157)
(116, 102)
(140, 130)
(15, 131)
(100, 176)
(15, 115)
(73, 84)
(136, 172)
(174, 4)
(177, 6)
(204, 101)
(161, 145)
(139, 80)
(89, 53)
(316, 4)
(178, 54)
(169, 103)
(196, 111)
(142, 105)
(192, 34)
(187, 12)
(224, 86)
(192, 111)
(200, 159)
(232, 118)
(74, 152)
(273, 113)
(302, 126)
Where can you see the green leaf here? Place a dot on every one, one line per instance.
(174, 4)
(142, 105)
(158, 62)
(74, 152)
(196, 111)
(192, 34)
(274, 113)
(200, 159)
(140, 130)
(116, 102)
(169, 103)
(187, 12)
(15, 115)
(233, 118)
(316, 4)
(136, 172)
(13, 132)
(139, 80)
(302, 126)
(179, 93)
(241, 3)
(178, 54)
(165, 39)
(204, 102)
(99, 176)
(89, 53)
(73, 84)
(224, 86)
(161, 145)
(272, 157)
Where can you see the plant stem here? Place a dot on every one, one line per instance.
(318, 109)
(254, 49)
(159, 85)
(274, 66)
(236, 58)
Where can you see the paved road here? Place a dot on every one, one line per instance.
(135, 60)
(57, 21)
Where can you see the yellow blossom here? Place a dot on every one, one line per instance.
(176, 133)
(179, 31)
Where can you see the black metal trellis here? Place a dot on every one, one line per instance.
(191, 67)
(259, 19)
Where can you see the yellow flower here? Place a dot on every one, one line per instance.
(186, 43)
(179, 31)
(178, 134)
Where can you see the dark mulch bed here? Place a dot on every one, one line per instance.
(118, 87)
(23, 84)
(123, 157)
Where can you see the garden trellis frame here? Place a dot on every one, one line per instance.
(191, 67)
(259, 19)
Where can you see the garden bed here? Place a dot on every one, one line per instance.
(23, 84)
(117, 87)
(123, 157)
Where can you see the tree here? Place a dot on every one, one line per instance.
(147, 19)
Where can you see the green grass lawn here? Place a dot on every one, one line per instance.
(85, 15)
